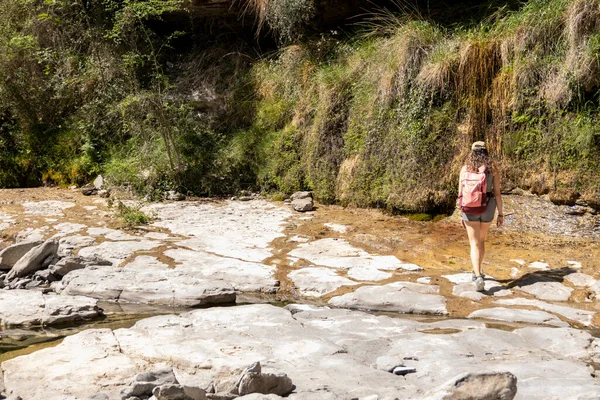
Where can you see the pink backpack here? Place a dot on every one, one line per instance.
(473, 198)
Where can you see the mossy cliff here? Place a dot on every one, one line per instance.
(381, 113)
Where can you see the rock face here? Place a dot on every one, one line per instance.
(326, 353)
(10, 255)
(33, 259)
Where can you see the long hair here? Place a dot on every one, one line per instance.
(477, 158)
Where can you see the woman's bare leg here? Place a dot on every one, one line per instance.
(474, 233)
(484, 228)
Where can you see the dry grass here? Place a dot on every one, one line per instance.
(583, 20)
(438, 74)
(480, 60)
(256, 8)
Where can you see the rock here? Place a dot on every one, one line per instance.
(174, 196)
(99, 182)
(116, 252)
(33, 259)
(477, 386)
(581, 316)
(339, 253)
(47, 207)
(104, 193)
(10, 255)
(405, 297)
(579, 279)
(173, 392)
(368, 274)
(66, 245)
(68, 264)
(242, 275)
(337, 227)
(257, 382)
(143, 384)
(554, 291)
(538, 265)
(303, 205)
(89, 189)
(245, 198)
(146, 281)
(316, 282)
(403, 370)
(301, 195)
(327, 353)
(517, 315)
(224, 229)
(37, 309)
(46, 275)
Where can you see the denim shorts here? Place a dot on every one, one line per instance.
(487, 216)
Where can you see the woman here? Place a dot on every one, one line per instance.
(478, 224)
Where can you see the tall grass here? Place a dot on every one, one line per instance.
(388, 123)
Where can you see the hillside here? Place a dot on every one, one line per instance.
(365, 106)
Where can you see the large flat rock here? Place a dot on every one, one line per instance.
(23, 308)
(328, 354)
(117, 252)
(234, 229)
(581, 316)
(338, 253)
(517, 315)
(553, 291)
(316, 282)
(148, 281)
(47, 207)
(404, 297)
(244, 276)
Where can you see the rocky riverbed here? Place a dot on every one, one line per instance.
(348, 276)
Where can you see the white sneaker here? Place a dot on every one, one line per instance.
(479, 284)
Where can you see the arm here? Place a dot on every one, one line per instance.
(498, 196)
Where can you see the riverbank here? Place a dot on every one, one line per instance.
(261, 251)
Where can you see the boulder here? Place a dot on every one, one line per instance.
(33, 259)
(46, 275)
(254, 381)
(68, 264)
(177, 392)
(99, 182)
(89, 189)
(143, 384)
(301, 195)
(250, 380)
(477, 386)
(303, 205)
(10, 255)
